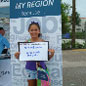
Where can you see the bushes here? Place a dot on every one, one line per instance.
(67, 45)
(80, 46)
(79, 35)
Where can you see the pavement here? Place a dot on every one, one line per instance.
(74, 67)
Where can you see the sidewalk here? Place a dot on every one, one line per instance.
(74, 67)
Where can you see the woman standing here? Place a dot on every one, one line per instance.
(34, 30)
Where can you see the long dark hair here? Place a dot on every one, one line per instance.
(37, 24)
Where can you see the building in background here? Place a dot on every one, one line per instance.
(81, 27)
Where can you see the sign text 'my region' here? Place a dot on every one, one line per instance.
(34, 4)
(29, 8)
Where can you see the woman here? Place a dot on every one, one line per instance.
(34, 30)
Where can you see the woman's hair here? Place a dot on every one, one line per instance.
(37, 24)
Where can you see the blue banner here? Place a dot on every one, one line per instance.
(28, 8)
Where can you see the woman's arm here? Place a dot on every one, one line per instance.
(52, 51)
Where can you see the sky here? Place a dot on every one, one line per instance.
(80, 6)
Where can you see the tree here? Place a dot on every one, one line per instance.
(65, 19)
(78, 20)
(73, 22)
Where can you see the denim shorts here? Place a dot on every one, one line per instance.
(31, 74)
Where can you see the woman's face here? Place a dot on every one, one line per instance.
(34, 31)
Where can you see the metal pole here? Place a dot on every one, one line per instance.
(73, 22)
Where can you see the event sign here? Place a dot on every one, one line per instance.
(47, 13)
(36, 51)
(28, 8)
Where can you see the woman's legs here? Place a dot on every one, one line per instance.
(32, 82)
(32, 77)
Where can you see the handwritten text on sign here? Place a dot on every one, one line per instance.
(37, 51)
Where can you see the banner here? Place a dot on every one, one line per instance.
(5, 72)
(48, 14)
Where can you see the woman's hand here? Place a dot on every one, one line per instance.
(17, 55)
(52, 51)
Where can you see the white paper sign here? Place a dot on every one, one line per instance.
(33, 51)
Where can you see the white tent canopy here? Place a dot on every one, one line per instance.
(4, 8)
(4, 4)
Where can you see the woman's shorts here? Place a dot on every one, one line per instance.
(31, 74)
